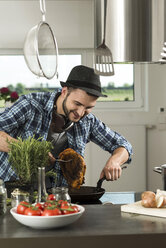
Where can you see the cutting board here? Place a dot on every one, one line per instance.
(137, 208)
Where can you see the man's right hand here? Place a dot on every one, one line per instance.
(51, 157)
(4, 147)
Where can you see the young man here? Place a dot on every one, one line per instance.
(65, 118)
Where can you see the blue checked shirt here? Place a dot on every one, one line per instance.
(32, 114)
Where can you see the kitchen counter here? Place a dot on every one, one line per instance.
(100, 225)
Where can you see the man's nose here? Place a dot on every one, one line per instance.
(81, 111)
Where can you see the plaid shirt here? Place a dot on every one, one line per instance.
(32, 114)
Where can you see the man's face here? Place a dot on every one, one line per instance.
(77, 104)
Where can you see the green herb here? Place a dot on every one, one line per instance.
(25, 156)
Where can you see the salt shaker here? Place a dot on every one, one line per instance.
(3, 198)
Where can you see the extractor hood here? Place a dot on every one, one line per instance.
(134, 29)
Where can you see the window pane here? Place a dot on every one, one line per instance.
(15, 74)
(119, 87)
(13, 70)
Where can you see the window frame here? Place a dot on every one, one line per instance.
(140, 90)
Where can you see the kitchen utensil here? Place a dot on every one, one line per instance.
(103, 60)
(163, 54)
(40, 48)
(88, 194)
(99, 183)
(161, 170)
(137, 208)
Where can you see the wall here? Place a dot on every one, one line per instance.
(71, 21)
(134, 176)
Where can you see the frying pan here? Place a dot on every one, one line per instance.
(88, 194)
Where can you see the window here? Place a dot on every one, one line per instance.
(125, 90)
(119, 87)
(15, 74)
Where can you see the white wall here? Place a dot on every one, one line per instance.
(71, 21)
(73, 24)
(134, 176)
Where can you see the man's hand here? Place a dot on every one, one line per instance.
(51, 158)
(112, 170)
(4, 146)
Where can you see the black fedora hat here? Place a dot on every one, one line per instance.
(84, 78)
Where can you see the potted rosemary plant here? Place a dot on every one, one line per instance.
(25, 156)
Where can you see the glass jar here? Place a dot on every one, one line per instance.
(3, 198)
(17, 196)
(61, 193)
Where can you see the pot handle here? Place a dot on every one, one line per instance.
(158, 169)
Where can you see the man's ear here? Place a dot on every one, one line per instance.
(64, 91)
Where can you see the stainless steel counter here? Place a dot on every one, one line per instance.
(99, 225)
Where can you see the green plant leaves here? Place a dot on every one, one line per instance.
(25, 156)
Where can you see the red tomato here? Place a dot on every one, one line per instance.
(33, 211)
(69, 210)
(75, 208)
(40, 206)
(49, 211)
(51, 197)
(22, 207)
(63, 203)
(49, 204)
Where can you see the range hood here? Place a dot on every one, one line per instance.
(134, 29)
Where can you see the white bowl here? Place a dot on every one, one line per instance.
(47, 222)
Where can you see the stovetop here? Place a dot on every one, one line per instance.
(114, 198)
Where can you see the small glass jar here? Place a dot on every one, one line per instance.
(17, 196)
(3, 198)
(61, 193)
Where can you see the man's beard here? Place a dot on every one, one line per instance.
(65, 108)
(66, 111)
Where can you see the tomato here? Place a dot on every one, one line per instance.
(51, 197)
(22, 207)
(75, 208)
(33, 211)
(40, 206)
(69, 209)
(49, 204)
(50, 211)
(63, 203)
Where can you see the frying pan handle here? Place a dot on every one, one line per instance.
(99, 183)
(43, 9)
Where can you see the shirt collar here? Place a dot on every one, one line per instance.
(50, 103)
